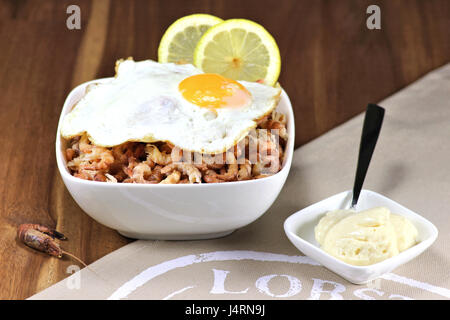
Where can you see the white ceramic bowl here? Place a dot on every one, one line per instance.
(299, 228)
(175, 212)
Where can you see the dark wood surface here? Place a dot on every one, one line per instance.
(332, 66)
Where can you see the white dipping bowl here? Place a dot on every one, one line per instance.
(178, 211)
(299, 228)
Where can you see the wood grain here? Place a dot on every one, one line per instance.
(332, 67)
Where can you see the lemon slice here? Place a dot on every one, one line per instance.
(178, 42)
(241, 50)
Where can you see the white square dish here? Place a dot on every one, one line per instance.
(175, 211)
(299, 228)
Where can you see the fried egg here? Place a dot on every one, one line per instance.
(149, 101)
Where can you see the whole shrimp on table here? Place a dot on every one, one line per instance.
(42, 238)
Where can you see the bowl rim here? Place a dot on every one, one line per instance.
(412, 251)
(61, 162)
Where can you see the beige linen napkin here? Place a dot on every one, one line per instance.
(411, 165)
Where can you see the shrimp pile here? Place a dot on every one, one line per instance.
(258, 155)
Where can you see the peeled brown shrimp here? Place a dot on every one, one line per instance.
(91, 157)
(70, 154)
(270, 165)
(176, 154)
(86, 174)
(106, 158)
(267, 142)
(110, 178)
(156, 175)
(84, 144)
(98, 159)
(172, 178)
(140, 172)
(232, 169)
(245, 171)
(278, 116)
(188, 169)
(157, 156)
(137, 171)
(277, 128)
(210, 176)
(268, 155)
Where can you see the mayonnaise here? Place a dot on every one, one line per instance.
(366, 237)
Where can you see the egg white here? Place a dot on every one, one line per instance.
(143, 103)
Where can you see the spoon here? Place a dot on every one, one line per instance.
(370, 132)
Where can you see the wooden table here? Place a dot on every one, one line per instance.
(332, 67)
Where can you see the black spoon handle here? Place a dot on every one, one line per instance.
(371, 130)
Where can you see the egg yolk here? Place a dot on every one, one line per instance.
(210, 90)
